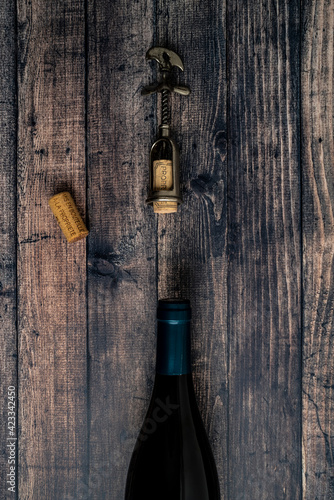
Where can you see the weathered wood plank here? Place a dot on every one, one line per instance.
(192, 243)
(51, 273)
(264, 289)
(8, 335)
(122, 251)
(317, 77)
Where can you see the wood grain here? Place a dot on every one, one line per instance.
(122, 251)
(251, 247)
(264, 277)
(51, 273)
(8, 335)
(192, 243)
(317, 78)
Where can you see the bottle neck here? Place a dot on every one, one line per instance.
(173, 347)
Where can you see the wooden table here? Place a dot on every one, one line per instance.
(251, 247)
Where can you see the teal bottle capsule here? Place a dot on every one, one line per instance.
(173, 340)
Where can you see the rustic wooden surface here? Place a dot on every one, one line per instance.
(252, 245)
(264, 222)
(52, 346)
(8, 332)
(318, 247)
(121, 246)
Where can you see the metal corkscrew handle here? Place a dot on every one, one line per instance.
(167, 60)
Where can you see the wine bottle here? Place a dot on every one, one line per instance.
(172, 458)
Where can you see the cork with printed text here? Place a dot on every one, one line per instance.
(68, 217)
(163, 180)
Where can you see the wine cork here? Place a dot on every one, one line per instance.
(68, 217)
(164, 207)
(163, 180)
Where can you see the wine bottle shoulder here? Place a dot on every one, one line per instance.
(172, 456)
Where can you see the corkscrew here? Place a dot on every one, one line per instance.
(164, 185)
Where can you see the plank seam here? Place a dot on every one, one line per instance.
(301, 305)
(88, 367)
(16, 243)
(228, 93)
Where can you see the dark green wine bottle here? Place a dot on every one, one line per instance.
(172, 458)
